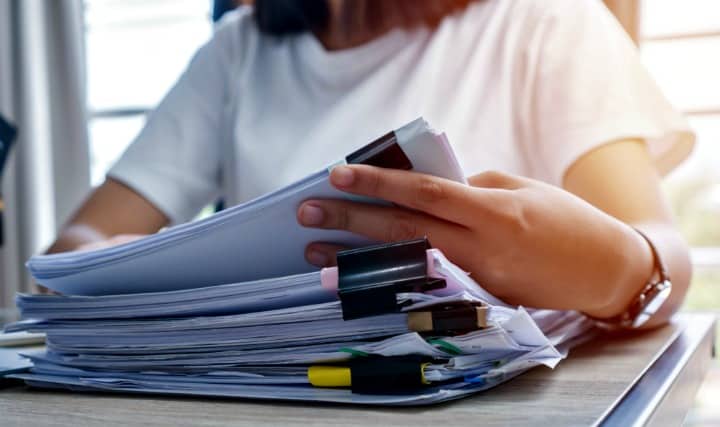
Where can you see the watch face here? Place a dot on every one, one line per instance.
(651, 301)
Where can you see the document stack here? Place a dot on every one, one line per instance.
(226, 306)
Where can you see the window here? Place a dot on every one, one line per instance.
(136, 49)
(679, 43)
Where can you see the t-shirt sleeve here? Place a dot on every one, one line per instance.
(175, 161)
(588, 88)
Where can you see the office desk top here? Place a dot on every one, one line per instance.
(634, 379)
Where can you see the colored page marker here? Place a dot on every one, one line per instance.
(329, 376)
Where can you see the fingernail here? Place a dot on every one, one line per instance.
(317, 258)
(342, 176)
(311, 215)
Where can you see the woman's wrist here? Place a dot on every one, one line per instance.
(635, 268)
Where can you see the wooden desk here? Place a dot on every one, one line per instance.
(650, 377)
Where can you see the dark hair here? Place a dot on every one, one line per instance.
(282, 17)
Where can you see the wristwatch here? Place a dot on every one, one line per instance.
(648, 301)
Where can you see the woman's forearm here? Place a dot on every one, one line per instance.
(112, 209)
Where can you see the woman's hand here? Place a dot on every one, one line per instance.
(119, 239)
(525, 241)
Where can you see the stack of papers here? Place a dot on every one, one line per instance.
(227, 306)
(186, 342)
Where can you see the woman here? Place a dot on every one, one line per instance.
(547, 95)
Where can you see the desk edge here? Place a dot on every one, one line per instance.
(621, 409)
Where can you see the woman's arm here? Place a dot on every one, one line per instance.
(527, 242)
(112, 209)
(620, 179)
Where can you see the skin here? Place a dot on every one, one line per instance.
(527, 242)
(112, 213)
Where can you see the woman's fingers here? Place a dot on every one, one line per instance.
(322, 254)
(435, 196)
(381, 223)
(445, 211)
(40, 289)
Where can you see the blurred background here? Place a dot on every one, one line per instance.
(103, 64)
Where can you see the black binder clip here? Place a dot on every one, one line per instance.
(370, 278)
(384, 152)
(387, 374)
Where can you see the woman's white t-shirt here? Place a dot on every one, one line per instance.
(521, 86)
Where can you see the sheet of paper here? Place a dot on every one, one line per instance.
(12, 362)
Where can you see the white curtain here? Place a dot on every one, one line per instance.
(42, 90)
